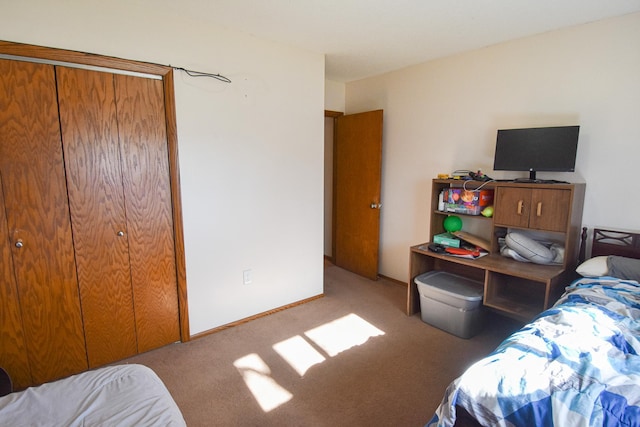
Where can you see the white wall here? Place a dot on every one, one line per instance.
(334, 95)
(251, 152)
(443, 115)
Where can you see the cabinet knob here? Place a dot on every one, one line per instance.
(520, 206)
(120, 233)
(539, 210)
(19, 244)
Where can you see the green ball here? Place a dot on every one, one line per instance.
(452, 223)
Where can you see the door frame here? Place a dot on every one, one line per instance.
(165, 73)
(334, 115)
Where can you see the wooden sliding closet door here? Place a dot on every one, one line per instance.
(147, 189)
(37, 218)
(114, 137)
(92, 262)
(92, 156)
(13, 351)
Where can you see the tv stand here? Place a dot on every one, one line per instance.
(516, 289)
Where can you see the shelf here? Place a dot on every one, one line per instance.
(515, 295)
(500, 264)
(517, 289)
(473, 185)
(514, 309)
(443, 213)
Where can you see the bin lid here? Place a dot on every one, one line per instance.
(451, 285)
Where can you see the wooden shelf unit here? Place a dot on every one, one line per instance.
(517, 289)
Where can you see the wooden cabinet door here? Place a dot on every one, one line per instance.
(512, 207)
(536, 208)
(92, 154)
(37, 216)
(147, 189)
(550, 209)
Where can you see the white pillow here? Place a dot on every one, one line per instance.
(529, 248)
(594, 267)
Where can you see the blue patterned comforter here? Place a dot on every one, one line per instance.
(576, 364)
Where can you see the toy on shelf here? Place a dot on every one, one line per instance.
(452, 223)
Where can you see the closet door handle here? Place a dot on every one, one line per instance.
(120, 233)
(520, 206)
(19, 244)
(539, 209)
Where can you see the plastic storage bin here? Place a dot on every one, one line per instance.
(451, 302)
(469, 202)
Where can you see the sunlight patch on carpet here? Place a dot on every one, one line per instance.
(257, 376)
(299, 354)
(342, 334)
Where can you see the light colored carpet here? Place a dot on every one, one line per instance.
(351, 358)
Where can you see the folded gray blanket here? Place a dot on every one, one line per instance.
(624, 268)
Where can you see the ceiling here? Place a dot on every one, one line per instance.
(363, 38)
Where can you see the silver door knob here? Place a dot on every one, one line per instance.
(120, 233)
(19, 244)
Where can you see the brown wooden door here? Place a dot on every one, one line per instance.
(115, 143)
(90, 136)
(13, 351)
(147, 189)
(357, 169)
(550, 209)
(37, 216)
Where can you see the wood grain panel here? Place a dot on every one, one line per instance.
(147, 186)
(13, 350)
(178, 230)
(357, 177)
(166, 72)
(513, 206)
(549, 209)
(91, 147)
(45, 53)
(37, 212)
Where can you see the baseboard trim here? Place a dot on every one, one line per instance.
(255, 317)
(394, 281)
(329, 259)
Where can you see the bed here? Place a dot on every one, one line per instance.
(575, 364)
(122, 395)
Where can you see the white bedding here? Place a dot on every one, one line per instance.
(124, 395)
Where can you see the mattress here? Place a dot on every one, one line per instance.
(123, 395)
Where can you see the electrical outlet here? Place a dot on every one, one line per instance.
(247, 277)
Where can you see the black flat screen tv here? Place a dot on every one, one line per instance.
(545, 149)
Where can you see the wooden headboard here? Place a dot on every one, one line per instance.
(611, 242)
